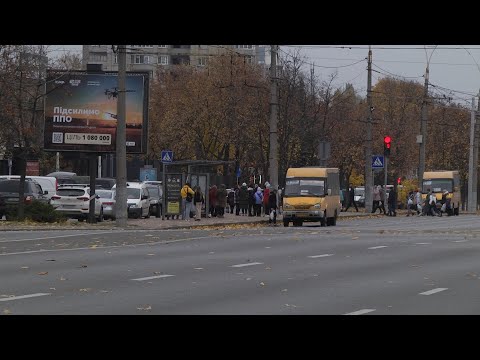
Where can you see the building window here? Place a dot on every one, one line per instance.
(140, 59)
(202, 61)
(249, 59)
(115, 60)
(98, 57)
(249, 47)
(162, 46)
(162, 60)
(142, 46)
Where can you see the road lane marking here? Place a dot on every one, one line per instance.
(377, 247)
(24, 296)
(423, 243)
(457, 241)
(360, 312)
(152, 277)
(58, 236)
(319, 256)
(433, 291)
(248, 264)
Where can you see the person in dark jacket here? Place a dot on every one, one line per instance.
(198, 201)
(273, 206)
(243, 199)
(231, 200)
(392, 202)
(221, 200)
(212, 200)
(351, 198)
(251, 200)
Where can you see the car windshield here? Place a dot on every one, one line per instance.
(359, 192)
(11, 186)
(106, 194)
(70, 192)
(304, 187)
(153, 191)
(133, 193)
(437, 185)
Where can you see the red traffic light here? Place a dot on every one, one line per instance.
(387, 140)
(399, 181)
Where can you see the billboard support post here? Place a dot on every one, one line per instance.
(121, 203)
(92, 172)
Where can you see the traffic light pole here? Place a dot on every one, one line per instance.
(368, 141)
(385, 180)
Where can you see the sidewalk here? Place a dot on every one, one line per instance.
(154, 223)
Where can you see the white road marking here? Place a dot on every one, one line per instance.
(423, 243)
(24, 296)
(377, 247)
(58, 236)
(433, 291)
(360, 312)
(152, 277)
(319, 256)
(248, 264)
(457, 241)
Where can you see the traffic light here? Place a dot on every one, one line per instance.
(399, 181)
(387, 143)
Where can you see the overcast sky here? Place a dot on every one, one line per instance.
(454, 67)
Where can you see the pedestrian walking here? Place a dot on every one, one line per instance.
(351, 198)
(273, 206)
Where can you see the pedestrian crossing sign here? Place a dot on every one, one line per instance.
(167, 156)
(377, 162)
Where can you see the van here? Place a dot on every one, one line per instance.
(48, 183)
(311, 194)
(138, 199)
(441, 180)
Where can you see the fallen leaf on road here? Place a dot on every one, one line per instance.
(148, 308)
(198, 268)
(6, 311)
(53, 289)
(284, 290)
(50, 260)
(104, 291)
(150, 254)
(212, 252)
(268, 268)
(85, 290)
(248, 279)
(414, 265)
(262, 284)
(43, 273)
(355, 238)
(63, 279)
(158, 272)
(93, 246)
(24, 267)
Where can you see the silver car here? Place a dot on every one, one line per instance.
(107, 198)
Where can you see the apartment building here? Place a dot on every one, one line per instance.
(148, 57)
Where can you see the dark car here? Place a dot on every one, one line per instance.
(156, 198)
(9, 193)
(105, 183)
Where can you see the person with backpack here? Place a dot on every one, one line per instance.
(411, 207)
(258, 201)
(187, 201)
(198, 201)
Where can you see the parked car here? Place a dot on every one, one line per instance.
(9, 193)
(156, 197)
(74, 202)
(48, 183)
(359, 196)
(138, 200)
(107, 198)
(105, 183)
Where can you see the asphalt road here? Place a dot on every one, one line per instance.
(401, 265)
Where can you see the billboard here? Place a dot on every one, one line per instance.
(81, 112)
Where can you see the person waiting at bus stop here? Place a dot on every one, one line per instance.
(187, 201)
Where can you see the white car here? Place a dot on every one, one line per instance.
(107, 198)
(138, 199)
(74, 202)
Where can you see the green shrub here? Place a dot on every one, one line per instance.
(37, 211)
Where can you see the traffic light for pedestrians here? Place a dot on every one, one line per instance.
(399, 181)
(387, 143)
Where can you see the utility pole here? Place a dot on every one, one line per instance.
(368, 145)
(471, 165)
(121, 145)
(273, 158)
(423, 130)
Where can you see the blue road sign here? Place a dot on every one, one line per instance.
(239, 172)
(377, 162)
(167, 156)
